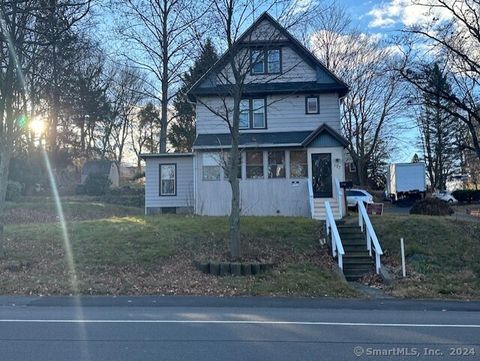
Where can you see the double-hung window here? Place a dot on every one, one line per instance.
(253, 113)
(276, 164)
(298, 164)
(211, 167)
(258, 62)
(244, 113)
(273, 61)
(266, 61)
(258, 111)
(168, 179)
(254, 164)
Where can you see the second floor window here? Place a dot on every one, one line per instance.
(266, 61)
(253, 114)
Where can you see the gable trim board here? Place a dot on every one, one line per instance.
(302, 51)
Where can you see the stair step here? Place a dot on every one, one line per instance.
(358, 254)
(351, 248)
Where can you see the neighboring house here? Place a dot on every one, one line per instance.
(100, 167)
(292, 152)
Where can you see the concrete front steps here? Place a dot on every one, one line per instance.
(356, 260)
(319, 209)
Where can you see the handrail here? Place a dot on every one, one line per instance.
(337, 247)
(364, 219)
(310, 197)
(339, 196)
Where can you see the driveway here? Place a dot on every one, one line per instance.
(203, 328)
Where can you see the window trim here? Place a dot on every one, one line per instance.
(265, 51)
(160, 180)
(306, 104)
(250, 113)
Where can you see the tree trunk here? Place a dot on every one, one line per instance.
(4, 163)
(234, 220)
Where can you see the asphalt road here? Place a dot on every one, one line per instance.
(190, 328)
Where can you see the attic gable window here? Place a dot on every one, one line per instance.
(266, 61)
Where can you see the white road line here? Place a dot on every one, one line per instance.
(242, 322)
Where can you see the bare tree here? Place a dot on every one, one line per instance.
(126, 94)
(158, 38)
(365, 62)
(453, 39)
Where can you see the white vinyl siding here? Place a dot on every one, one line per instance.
(285, 114)
(184, 183)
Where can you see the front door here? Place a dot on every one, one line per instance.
(322, 175)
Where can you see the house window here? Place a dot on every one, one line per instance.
(311, 105)
(298, 164)
(211, 167)
(266, 61)
(273, 61)
(276, 164)
(168, 179)
(245, 113)
(253, 113)
(254, 164)
(258, 62)
(258, 111)
(351, 167)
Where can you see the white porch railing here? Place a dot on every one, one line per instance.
(365, 223)
(339, 196)
(337, 247)
(310, 197)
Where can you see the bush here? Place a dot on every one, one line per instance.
(431, 207)
(14, 191)
(467, 195)
(97, 185)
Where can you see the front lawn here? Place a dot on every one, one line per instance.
(129, 253)
(443, 255)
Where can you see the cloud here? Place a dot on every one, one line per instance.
(403, 12)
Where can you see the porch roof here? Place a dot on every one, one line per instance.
(322, 136)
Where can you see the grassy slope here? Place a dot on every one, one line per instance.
(442, 253)
(142, 250)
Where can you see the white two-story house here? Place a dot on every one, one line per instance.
(292, 150)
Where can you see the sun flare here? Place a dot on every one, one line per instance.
(38, 126)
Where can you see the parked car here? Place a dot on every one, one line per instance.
(444, 196)
(358, 195)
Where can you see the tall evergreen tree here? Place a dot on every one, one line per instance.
(182, 130)
(438, 129)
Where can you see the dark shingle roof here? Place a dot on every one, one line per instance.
(251, 139)
(276, 88)
(265, 140)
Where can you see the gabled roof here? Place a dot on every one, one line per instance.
(301, 50)
(324, 128)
